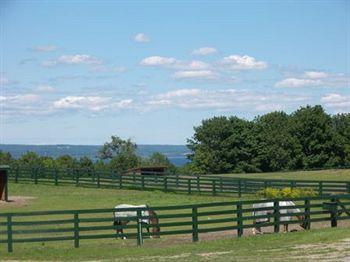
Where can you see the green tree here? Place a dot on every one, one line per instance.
(5, 158)
(30, 159)
(158, 159)
(222, 145)
(66, 162)
(277, 149)
(120, 153)
(341, 140)
(313, 129)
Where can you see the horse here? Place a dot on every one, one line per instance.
(285, 207)
(120, 218)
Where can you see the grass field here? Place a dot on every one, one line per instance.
(221, 247)
(330, 174)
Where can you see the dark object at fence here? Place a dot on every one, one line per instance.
(148, 171)
(3, 183)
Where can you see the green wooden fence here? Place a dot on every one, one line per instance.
(189, 184)
(196, 219)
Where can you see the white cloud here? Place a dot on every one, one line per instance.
(4, 81)
(158, 61)
(91, 103)
(173, 63)
(227, 99)
(73, 60)
(204, 51)
(340, 103)
(45, 88)
(112, 69)
(236, 62)
(315, 74)
(298, 82)
(45, 48)
(201, 74)
(315, 78)
(141, 37)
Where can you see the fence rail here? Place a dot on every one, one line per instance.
(189, 184)
(194, 220)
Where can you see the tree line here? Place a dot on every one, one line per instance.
(116, 155)
(308, 138)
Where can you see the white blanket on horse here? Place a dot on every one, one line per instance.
(126, 214)
(283, 210)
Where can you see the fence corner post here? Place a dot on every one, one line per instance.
(276, 215)
(194, 224)
(76, 229)
(139, 228)
(334, 212)
(239, 219)
(9, 234)
(307, 214)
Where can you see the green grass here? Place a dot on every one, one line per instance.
(227, 248)
(50, 197)
(263, 248)
(330, 174)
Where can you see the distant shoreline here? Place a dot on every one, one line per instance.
(175, 153)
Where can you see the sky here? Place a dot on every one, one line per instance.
(77, 72)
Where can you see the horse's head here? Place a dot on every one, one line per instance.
(155, 223)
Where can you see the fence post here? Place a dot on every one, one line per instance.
(198, 184)
(276, 215)
(194, 224)
(239, 188)
(35, 176)
(334, 212)
(76, 177)
(307, 214)
(9, 233)
(165, 180)
(142, 182)
(239, 219)
(348, 187)
(189, 185)
(214, 187)
(16, 175)
(55, 175)
(120, 180)
(76, 229)
(221, 186)
(139, 228)
(98, 179)
(320, 186)
(177, 180)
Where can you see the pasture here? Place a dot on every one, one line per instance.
(327, 174)
(220, 246)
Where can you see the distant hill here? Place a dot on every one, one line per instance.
(175, 153)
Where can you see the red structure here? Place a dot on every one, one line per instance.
(3, 183)
(148, 170)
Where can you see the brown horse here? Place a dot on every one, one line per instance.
(151, 218)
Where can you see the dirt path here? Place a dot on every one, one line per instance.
(17, 201)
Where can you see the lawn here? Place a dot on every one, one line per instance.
(329, 174)
(224, 246)
(300, 246)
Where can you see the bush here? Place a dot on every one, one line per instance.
(286, 192)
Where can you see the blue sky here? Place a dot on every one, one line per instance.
(79, 71)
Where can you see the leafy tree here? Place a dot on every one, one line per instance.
(66, 162)
(341, 140)
(5, 158)
(85, 163)
(158, 159)
(277, 149)
(121, 154)
(311, 126)
(222, 145)
(30, 159)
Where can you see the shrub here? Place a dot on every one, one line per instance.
(286, 192)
